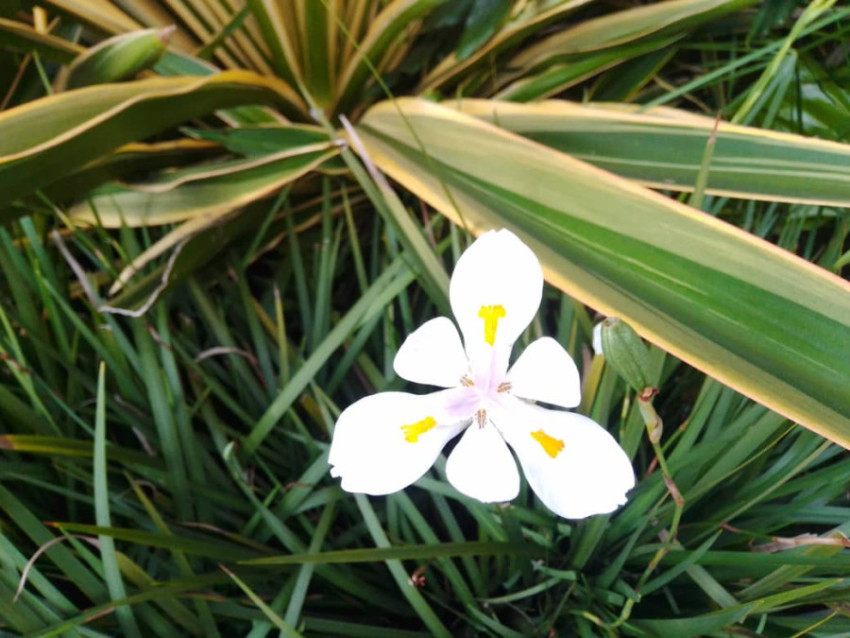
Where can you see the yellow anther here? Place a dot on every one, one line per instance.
(412, 431)
(550, 444)
(491, 316)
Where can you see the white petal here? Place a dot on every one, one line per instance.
(495, 291)
(573, 465)
(597, 339)
(545, 372)
(385, 442)
(432, 354)
(481, 466)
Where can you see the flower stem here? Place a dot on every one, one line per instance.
(654, 429)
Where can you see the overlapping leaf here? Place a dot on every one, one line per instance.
(601, 42)
(201, 197)
(46, 139)
(22, 37)
(756, 317)
(663, 148)
(204, 191)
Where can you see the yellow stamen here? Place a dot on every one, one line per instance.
(550, 444)
(412, 431)
(491, 316)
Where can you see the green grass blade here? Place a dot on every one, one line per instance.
(286, 629)
(111, 571)
(401, 577)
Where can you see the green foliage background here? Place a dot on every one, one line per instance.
(201, 268)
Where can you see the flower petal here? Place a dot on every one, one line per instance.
(432, 354)
(597, 339)
(495, 291)
(481, 466)
(545, 372)
(386, 441)
(573, 465)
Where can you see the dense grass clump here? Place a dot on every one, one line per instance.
(163, 444)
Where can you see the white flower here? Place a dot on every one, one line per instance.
(386, 441)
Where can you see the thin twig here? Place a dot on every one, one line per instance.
(163, 284)
(79, 272)
(31, 562)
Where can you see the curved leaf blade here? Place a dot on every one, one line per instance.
(406, 552)
(532, 19)
(564, 58)
(483, 21)
(558, 77)
(761, 320)
(663, 148)
(22, 37)
(204, 192)
(134, 158)
(200, 201)
(659, 19)
(100, 15)
(43, 140)
(386, 28)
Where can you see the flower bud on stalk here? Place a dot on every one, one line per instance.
(629, 356)
(626, 353)
(118, 58)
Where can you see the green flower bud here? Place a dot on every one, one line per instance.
(626, 353)
(118, 58)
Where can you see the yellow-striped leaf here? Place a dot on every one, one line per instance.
(663, 148)
(763, 321)
(22, 37)
(43, 140)
(201, 198)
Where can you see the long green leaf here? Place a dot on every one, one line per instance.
(392, 277)
(406, 552)
(22, 37)
(43, 140)
(663, 148)
(285, 628)
(61, 446)
(695, 626)
(556, 78)
(203, 204)
(102, 15)
(532, 18)
(111, 571)
(761, 320)
(209, 190)
(596, 44)
(134, 158)
(651, 20)
(192, 546)
(384, 31)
